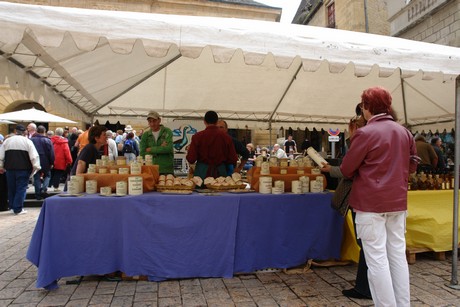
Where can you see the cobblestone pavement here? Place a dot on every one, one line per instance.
(319, 286)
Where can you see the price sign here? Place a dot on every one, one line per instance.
(333, 138)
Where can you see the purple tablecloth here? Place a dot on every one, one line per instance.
(181, 236)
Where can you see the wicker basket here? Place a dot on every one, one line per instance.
(226, 187)
(175, 188)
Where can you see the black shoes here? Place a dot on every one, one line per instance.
(355, 294)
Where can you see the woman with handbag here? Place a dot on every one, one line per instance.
(340, 203)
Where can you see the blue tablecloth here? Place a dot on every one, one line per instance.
(181, 236)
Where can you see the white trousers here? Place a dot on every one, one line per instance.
(384, 245)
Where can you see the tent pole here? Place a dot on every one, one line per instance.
(280, 101)
(454, 280)
(403, 93)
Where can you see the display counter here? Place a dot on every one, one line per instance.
(181, 236)
(253, 176)
(150, 174)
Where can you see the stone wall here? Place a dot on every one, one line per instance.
(179, 7)
(350, 15)
(439, 27)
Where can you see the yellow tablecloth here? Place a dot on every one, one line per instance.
(429, 223)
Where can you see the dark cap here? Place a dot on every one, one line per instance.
(20, 128)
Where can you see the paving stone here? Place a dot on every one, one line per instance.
(3, 284)
(125, 289)
(83, 292)
(146, 286)
(55, 300)
(101, 299)
(10, 275)
(122, 301)
(258, 291)
(78, 303)
(145, 304)
(4, 303)
(265, 301)
(191, 289)
(216, 295)
(21, 283)
(239, 295)
(170, 301)
(12, 293)
(30, 297)
(145, 296)
(169, 289)
(193, 299)
(245, 304)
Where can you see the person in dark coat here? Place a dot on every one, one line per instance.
(46, 152)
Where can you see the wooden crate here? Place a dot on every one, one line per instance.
(411, 253)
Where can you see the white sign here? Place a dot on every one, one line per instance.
(334, 138)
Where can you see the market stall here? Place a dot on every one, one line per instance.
(181, 236)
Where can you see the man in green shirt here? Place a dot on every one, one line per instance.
(158, 142)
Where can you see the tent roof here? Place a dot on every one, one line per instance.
(119, 65)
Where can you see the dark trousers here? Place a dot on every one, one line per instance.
(3, 193)
(362, 283)
(56, 176)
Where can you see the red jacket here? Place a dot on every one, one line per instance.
(61, 152)
(379, 161)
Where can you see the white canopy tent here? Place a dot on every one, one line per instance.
(34, 115)
(119, 65)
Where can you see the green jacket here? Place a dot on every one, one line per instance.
(162, 155)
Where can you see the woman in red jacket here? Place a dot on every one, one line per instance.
(379, 160)
(63, 158)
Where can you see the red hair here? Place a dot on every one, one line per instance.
(376, 100)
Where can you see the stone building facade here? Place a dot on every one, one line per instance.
(431, 21)
(354, 15)
(246, 9)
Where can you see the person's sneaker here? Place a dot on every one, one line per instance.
(21, 212)
(57, 190)
(354, 294)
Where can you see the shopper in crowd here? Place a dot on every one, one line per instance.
(240, 149)
(119, 141)
(251, 158)
(290, 145)
(63, 158)
(436, 143)
(111, 146)
(20, 160)
(90, 153)
(278, 152)
(158, 142)
(361, 288)
(3, 185)
(83, 139)
(46, 152)
(427, 153)
(211, 149)
(31, 130)
(379, 196)
(130, 148)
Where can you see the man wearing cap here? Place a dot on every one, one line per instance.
(158, 142)
(19, 160)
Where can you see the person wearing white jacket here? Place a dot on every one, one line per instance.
(19, 160)
(112, 146)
